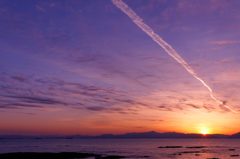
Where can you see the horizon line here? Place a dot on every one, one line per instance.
(118, 134)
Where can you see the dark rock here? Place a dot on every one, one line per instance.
(231, 149)
(196, 147)
(173, 147)
(170, 147)
(234, 155)
(45, 155)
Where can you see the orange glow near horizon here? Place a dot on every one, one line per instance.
(69, 123)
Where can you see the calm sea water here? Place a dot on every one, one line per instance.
(132, 148)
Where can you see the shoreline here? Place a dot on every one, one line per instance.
(60, 155)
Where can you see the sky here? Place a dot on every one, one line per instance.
(85, 67)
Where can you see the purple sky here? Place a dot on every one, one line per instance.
(84, 67)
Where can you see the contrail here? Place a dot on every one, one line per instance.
(137, 20)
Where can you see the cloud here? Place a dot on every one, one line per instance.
(165, 108)
(22, 90)
(224, 61)
(207, 107)
(13, 104)
(28, 91)
(194, 106)
(39, 100)
(96, 108)
(16, 101)
(225, 42)
(40, 8)
(19, 78)
(140, 127)
(23, 105)
(223, 108)
(234, 26)
(153, 120)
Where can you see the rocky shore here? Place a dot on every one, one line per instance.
(61, 155)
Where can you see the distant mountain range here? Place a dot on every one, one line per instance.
(143, 135)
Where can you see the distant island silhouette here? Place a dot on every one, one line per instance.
(143, 135)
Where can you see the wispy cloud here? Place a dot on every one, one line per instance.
(28, 91)
(40, 8)
(165, 108)
(225, 42)
(194, 106)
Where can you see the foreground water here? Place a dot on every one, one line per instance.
(131, 148)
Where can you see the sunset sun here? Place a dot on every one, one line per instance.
(204, 131)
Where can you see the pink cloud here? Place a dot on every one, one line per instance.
(40, 8)
(224, 42)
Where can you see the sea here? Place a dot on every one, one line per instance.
(131, 148)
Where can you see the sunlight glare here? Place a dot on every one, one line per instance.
(204, 132)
